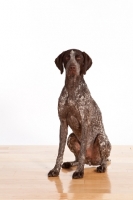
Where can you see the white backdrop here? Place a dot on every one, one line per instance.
(32, 34)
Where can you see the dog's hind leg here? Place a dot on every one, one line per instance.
(105, 148)
(74, 147)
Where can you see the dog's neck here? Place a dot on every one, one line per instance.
(73, 84)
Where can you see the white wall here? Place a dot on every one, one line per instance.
(32, 34)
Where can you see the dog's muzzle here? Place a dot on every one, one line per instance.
(72, 70)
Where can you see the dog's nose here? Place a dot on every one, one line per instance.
(72, 67)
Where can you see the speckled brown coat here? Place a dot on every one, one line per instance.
(77, 109)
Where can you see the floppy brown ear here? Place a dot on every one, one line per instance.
(87, 62)
(59, 62)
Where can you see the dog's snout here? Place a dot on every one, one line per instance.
(72, 69)
(72, 66)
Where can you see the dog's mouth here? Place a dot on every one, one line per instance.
(72, 72)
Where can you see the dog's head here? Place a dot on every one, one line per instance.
(74, 61)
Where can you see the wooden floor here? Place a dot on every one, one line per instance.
(23, 175)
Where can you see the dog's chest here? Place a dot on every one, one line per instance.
(73, 116)
(70, 108)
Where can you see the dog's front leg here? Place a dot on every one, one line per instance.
(63, 136)
(79, 173)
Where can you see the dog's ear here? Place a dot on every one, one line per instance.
(87, 63)
(59, 62)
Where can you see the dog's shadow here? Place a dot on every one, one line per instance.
(93, 185)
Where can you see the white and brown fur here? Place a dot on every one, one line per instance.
(77, 109)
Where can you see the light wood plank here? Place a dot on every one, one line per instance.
(23, 175)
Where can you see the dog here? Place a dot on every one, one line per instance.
(77, 109)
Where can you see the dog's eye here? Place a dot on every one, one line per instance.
(78, 57)
(67, 57)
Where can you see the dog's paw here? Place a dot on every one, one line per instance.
(101, 169)
(78, 174)
(66, 165)
(53, 173)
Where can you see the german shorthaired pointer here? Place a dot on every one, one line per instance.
(76, 108)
